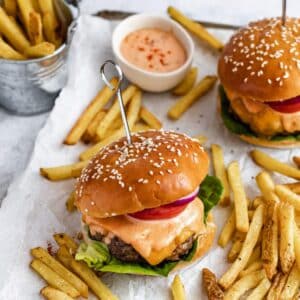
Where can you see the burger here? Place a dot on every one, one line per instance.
(259, 71)
(145, 205)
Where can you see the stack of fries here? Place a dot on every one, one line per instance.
(28, 29)
(67, 278)
(265, 235)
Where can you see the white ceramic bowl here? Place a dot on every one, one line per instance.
(151, 81)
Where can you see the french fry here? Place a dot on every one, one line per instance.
(220, 172)
(297, 296)
(292, 284)
(257, 201)
(114, 111)
(87, 154)
(40, 50)
(70, 202)
(195, 28)
(213, 290)
(297, 219)
(239, 197)
(86, 274)
(294, 187)
(286, 242)
(50, 22)
(296, 160)
(227, 231)
(182, 104)
(234, 250)
(63, 239)
(35, 5)
(100, 100)
(51, 293)
(202, 139)
(114, 127)
(255, 256)
(91, 279)
(36, 28)
(26, 8)
(7, 52)
(297, 246)
(244, 284)
(149, 118)
(261, 290)
(90, 132)
(266, 185)
(53, 279)
(63, 172)
(269, 246)
(251, 238)
(12, 32)
(58, 268)
(187, 83)
(133, 111)
(10, 7)
(64, 256)
(277, 286)
(272, 164)
(139, 127)
(177, 289)
(286, 195)
(255, 266)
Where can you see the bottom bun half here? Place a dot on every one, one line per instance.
(285, 144)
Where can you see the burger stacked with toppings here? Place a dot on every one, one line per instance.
(259, 71)
(145, 205)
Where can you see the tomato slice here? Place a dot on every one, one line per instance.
(157, 213)
(286, 106)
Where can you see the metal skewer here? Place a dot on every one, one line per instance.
(283, 14)
(117, 88)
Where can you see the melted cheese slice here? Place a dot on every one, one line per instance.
(154, 240)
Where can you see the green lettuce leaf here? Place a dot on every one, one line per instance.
(210, 192)
(97, 257)
(236, 126)
(95, 254)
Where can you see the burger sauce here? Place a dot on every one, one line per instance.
(153, 50)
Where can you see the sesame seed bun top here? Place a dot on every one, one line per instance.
(262, 61)
(158, 168)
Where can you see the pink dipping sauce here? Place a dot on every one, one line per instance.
(153, 50)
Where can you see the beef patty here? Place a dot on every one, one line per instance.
(125, 252)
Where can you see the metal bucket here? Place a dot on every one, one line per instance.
(31, 86)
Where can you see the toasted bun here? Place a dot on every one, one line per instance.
(158, 168)
(285, 144)
(205, 241)
(262, 61)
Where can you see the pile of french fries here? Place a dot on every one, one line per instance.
(28, 29)
(264, 233)
(67, 278)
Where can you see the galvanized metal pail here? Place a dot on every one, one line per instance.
(31, 86)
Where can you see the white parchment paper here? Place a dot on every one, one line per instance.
(35, 208)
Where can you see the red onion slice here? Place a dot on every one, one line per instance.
(184, 200)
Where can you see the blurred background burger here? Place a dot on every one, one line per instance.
(259, 71)
(145, 206)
